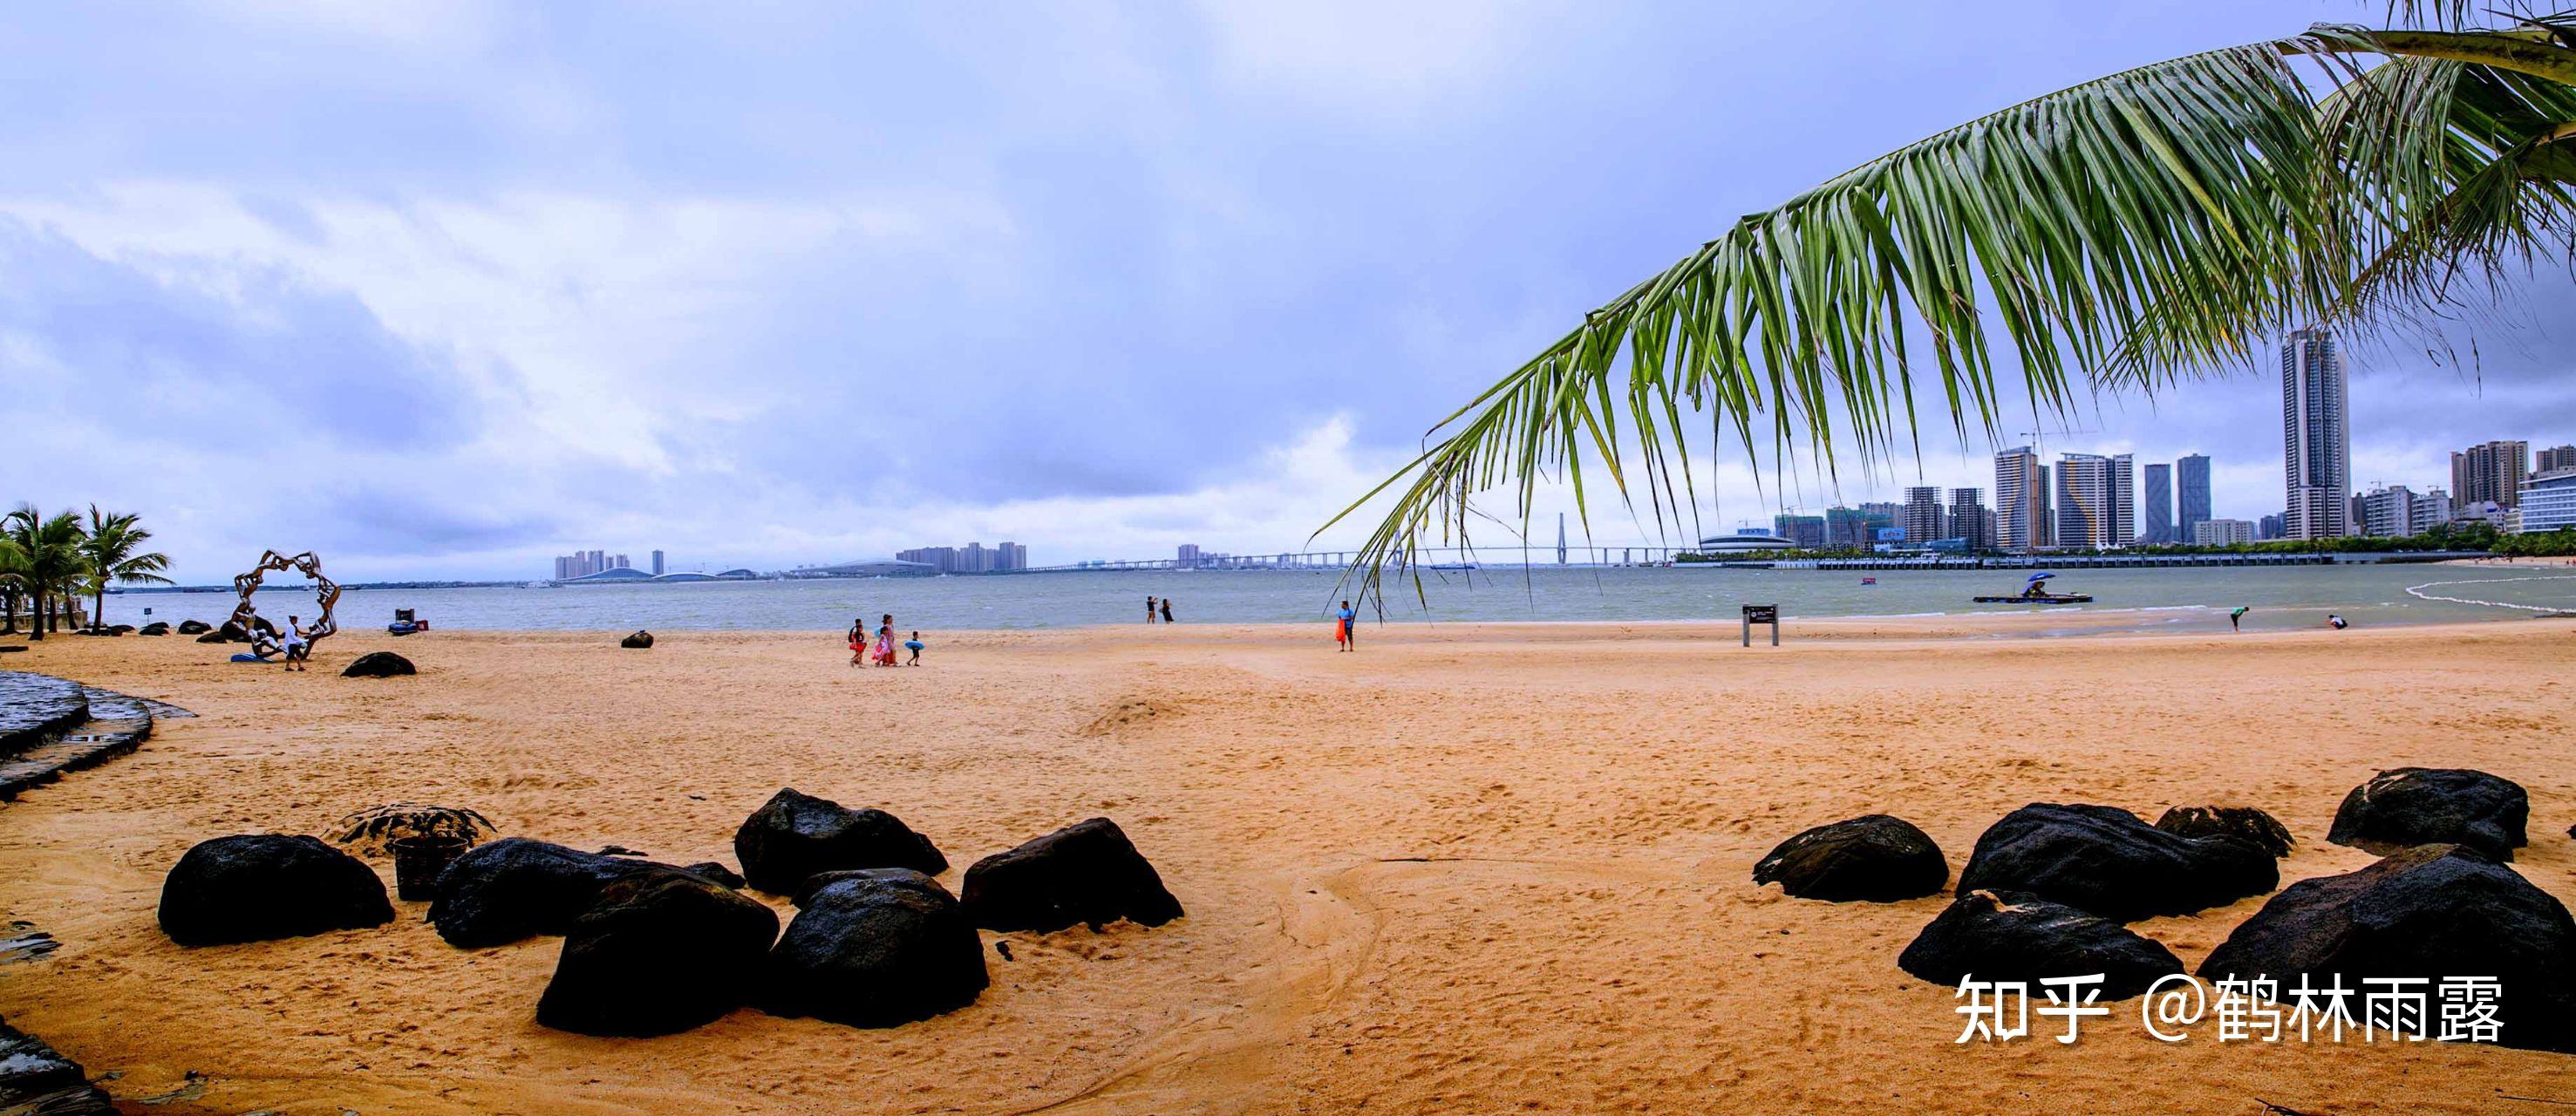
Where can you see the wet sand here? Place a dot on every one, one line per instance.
(1469, 869)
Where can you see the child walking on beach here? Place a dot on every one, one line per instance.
(858, 639)
(913, 645)
(885, 641)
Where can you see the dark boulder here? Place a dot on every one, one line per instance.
(214, 637)
(194, 627)
(37, 1080)
(637, 641)
(2431, 911)
(2430, 806)
(2019, 936)
(378, 664)
(795, 835)
(259, 886)
(1875, 858)
(516, 888)
(876, 949)
(721, 875)
(1087, 872)
(155, 628)
(2245, 823)
(656, 954)
(2106, 860)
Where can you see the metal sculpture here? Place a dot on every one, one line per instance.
(246, 615)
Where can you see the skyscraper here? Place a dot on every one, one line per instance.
(2021, 501)
(2491, 471)
(2159, 521)
(1010, 556)
(1922, 517)
(2316, 437)
(2096, 501)
(2191, 494)
(1854, 528)
(1969, 519)
(2552, 460)
(657, 563)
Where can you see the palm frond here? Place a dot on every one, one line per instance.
(2189, 190)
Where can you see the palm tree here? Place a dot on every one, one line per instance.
(109, 546)
(54, 564)
(13, 572)
(2126, 233)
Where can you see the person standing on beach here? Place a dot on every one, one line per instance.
(1343, 622)
(2236, 619)
(298, 651)
(1167, 610)
(913, 645)
(1149, 609)
(885, 641)
(858, 639)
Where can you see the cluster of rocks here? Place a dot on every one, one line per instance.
(2049, 889)
(652, 948)
(51, 727)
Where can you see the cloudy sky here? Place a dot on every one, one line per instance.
(448, 290)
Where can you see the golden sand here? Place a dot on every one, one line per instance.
(1476, 869)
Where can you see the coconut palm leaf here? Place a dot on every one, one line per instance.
(2150, 225)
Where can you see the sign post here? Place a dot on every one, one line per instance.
(1762, 614)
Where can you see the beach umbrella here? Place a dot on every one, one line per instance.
(2039, 577)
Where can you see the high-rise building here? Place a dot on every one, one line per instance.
(622, 564)
(2552, 460)
(2432, 509)
(1922, 516)
(657, 563)
(2491, 471)
(2158, 522)
(2191, 492)
(1187, 557)
(2021, 501)
(1010, 556)
(562, 569)
(1970, 520)
(2221, 532)
(2316, 437)
(2096, 501)
(598, 561)
(2268, 528)
(2388, 511)
(1855, 528)
(1806, 532)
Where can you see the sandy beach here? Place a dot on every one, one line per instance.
(1469, 869)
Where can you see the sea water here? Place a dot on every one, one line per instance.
(2176, 599)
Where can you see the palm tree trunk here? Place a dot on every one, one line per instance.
(39, 618)
(98, 606)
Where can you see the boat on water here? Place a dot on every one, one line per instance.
(2036, 593)
(1453, 566)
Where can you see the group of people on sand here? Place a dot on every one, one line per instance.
(292, 644)
(880, 650)
(1164, 603)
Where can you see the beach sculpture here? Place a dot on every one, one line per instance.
(326, 591)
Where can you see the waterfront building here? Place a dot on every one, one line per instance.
(2553, 460)
(2268, 528)
(2431, 509)
(2221, 532)
(2316, 437)
(2479, 511)
(2022, 502)
(2156, 525)
(1922, 516)
(1009, 557)
(2547, 502)
(2191, 492)
(2096, 501)
(1971, 521)
(1187, 557)
(1807, 532)
(2388, 511)
(1855, 528)
(657, 564)
(2491, 471)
